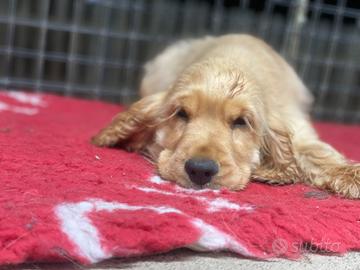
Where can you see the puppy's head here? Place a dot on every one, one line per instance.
(208, 130)
(212, 138)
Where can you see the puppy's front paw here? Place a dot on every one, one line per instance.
(345, 180)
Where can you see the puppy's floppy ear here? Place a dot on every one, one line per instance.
(278, 164)
(135, 126)
(277, 145)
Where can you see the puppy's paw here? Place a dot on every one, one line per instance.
(345, 180)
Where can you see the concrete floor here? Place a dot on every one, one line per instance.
(186, 259)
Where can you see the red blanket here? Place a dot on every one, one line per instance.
(62, 198)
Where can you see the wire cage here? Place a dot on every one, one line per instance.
(96, 48)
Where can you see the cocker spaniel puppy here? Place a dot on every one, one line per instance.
(219, 111)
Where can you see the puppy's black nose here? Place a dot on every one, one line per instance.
(201, 171)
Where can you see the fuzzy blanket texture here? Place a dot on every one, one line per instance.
(62, 198)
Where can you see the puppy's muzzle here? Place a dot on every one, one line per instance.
(201, 171)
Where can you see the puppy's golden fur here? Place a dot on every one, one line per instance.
(234, 100)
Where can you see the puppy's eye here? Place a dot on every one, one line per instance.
(182, 114)
(239, 123)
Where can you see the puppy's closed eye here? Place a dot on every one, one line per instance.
(239, 122)
(182, 114)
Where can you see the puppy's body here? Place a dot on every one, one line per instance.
(234, 105)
